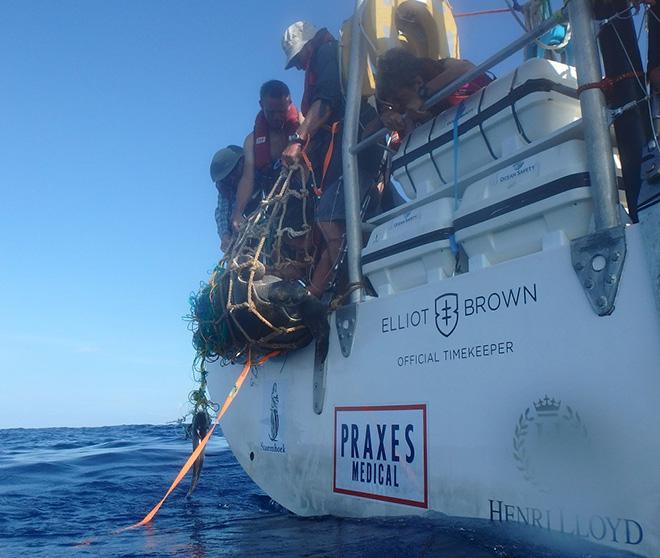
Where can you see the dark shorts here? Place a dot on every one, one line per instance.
(330, 206)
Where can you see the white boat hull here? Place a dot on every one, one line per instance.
(455, 404)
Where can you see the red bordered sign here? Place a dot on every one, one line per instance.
(380, 452)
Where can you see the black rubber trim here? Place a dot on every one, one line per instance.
(406, 167)
(650, 202)
(435, 165)
(564, 184)
(481, 126)
(421, 240)
(521, 130)
(527, 88)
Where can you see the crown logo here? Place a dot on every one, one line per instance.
(547, 406)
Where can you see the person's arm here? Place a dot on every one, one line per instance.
(372, 126)
(245, 184)
(317, 116)
(326, 100)
(452, 69)
(222, 214)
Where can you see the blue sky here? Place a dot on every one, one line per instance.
(109, 115)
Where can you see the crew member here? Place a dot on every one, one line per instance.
(226, 170)
(316, 52)
(405, 82)
(276, 121)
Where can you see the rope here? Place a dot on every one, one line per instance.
(260, 248)
(607, 83)
(642, 84)
(195, 454)
(533, 16)
(484, 12)
(339, 300)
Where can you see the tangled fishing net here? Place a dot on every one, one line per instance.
(254, 297)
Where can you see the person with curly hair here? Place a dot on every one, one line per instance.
(404, 82)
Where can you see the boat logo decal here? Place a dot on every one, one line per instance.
(273, 439)
(446, 313)
(550, 444)
(380, 453)
(596, 527)
(523, 168)
(450, 308)
(573, 474)
(274, 416)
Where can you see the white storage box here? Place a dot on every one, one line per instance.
(411, 250)
(528, 104)
(540, 201)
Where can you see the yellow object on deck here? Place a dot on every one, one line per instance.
(424, 27)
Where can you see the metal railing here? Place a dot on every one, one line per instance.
(592, 102)
(356, 67)
(597, 139)
(491, 62)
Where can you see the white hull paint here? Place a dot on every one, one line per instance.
(487, 453)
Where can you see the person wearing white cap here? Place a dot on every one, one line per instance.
(296, 36)
(316, 52)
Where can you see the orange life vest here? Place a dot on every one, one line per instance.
(262, 157)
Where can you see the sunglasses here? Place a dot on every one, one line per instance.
(383, 106)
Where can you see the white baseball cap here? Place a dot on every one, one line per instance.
(296, 36)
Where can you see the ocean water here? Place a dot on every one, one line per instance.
(60, 487)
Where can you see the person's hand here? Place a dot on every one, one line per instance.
(394, 121)
(236, 219)
(225, 242)
(292, 154)
(417, 116)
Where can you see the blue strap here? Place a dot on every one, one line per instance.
(459, 112)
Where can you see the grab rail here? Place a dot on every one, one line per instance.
(599, 147)
(350, 148)
(521, 42)
(357, 63)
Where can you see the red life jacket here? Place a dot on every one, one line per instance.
(468, 89)
(262, 157)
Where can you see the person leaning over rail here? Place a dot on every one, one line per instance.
(226, 170)
(405, 82)
(275, 122)
(318, 140)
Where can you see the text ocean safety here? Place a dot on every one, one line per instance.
(380, 453)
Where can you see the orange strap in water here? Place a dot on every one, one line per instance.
(202, 444)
